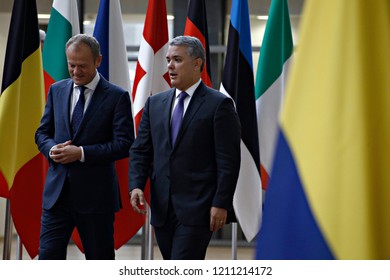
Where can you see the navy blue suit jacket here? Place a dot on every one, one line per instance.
(105, 133)
(201, 169)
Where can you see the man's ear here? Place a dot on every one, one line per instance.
(197, 64)
(98, 61)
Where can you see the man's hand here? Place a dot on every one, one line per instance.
(137, 201)
(217, 218)
(65, 153)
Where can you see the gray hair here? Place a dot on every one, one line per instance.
(194, 47)
(85, 39)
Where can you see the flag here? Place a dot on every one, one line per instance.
(196, 26)
(275, 58)
(151, 74)
(328, 196)
(238, 82)
(63, 24)
(22, 103)
(114, 67)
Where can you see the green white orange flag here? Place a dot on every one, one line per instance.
(63, 24)
(22, 101)
(275, 57)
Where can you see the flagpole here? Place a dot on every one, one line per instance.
(147, 232)
(150, 238)
(19, 249)
(7, 233)
(234, 241)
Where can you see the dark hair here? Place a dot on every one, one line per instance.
(88, 40)
(194, 47)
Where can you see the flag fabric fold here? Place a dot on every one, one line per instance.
(196, 26)
(329, 189)
(275, 58)
(21, 106)
(151, 74)
(238, 83)
(63, 24)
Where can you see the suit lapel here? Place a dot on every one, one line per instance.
(65, 96)
(97, 100)
(167, 103)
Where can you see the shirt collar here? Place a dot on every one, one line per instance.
(190, 91)
(92, 84)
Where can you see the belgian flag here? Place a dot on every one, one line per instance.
(22, 100)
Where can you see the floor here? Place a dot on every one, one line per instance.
(133, 252)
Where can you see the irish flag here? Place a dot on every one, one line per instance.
(275, 58)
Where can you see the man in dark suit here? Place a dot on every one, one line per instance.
(87, 125)
(193, 165)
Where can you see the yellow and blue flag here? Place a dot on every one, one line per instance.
(329, 191)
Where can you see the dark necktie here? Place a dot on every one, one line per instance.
(78, 111)
(177, 116)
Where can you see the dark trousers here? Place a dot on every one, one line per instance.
(182, 242)
(96, 231)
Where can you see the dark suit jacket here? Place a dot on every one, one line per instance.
(106, 134)
(201, 170)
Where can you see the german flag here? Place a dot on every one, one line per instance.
(22, 102)
(196, 26)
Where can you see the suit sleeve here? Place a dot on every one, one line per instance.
(141, 153)
(227, 137)
(122, 135)
(44, 136)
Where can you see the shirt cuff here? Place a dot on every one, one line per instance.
(82, 154)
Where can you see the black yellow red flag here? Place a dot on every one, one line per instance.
(196, 25)
(22, 100)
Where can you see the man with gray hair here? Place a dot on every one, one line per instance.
(87, 125)
(188, 143)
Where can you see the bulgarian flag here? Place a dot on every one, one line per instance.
(275, 58)
(63, 24)
(196, 26)
(22, 101)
